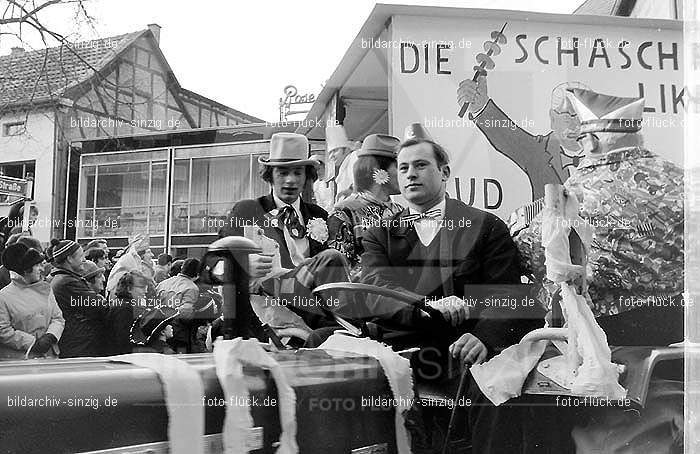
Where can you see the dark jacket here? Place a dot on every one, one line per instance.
(84, 312)
(118, 323)
(4, 277)
(478, 262)
(252, 212)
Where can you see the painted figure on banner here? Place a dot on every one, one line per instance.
(545, 159)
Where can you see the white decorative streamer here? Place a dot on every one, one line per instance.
(230, 355)
(183, 391)
(397, 370)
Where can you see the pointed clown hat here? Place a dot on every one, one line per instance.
(336, 137)
(605, 113)
(416, 131)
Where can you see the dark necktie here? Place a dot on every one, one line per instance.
(289, 218)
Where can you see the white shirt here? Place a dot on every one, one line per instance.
(298, 249)
(427, 228)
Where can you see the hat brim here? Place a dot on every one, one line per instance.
(298, 162)
(623, 125)
(137, 335)
(93, 273)
(348, 144)
(382, 153)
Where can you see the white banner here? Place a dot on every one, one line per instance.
(504, 164)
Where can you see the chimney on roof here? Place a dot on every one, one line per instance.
(16, 50)
(155, 29)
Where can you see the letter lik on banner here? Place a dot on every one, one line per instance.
(183, 391)
(229, 356)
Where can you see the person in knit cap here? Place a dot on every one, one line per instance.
(83, 309)
(31, 322)
(374, 182)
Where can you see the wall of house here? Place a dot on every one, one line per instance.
(36, 143)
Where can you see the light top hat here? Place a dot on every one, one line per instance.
(379, 145)
(288, 149)
(336, 137)
(605, 113)
(416, 131)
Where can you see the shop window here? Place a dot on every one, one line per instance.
(128, 198)
(18, 169)
(16, 128)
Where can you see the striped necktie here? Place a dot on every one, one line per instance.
(430, 214)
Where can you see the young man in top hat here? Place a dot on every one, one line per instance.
(454, 257)
(374, 181)
(298, 227)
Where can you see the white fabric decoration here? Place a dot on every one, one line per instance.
(230, 355)
(183, 391)
(586, 366)
(397, 370)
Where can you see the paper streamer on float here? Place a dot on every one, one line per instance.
(502, 378)
(589, 358)
(595, 374)
(230, 355)
(588, 367)
(555, 241)
(183, 392)
(397, 370)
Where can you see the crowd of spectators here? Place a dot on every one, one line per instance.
(80, 301)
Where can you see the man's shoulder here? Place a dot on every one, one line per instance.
(460, 209)
(249, 204)
(315, 211)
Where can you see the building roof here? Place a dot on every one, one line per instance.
(45, 75)
(196, 96)
(34, 77)
(606, 7)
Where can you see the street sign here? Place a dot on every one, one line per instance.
(16, 187)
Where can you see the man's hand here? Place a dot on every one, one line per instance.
(474, 93)
(259, 265)
(469, 349)
(452, 308)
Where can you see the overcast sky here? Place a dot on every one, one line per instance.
(243, 53)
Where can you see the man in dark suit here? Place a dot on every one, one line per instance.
(298, 227)
(463, 267)
(460, 261)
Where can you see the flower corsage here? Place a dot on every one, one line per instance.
(317, 230)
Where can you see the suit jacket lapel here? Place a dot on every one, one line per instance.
(276, 233)
(447, 236)
(402, 237)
